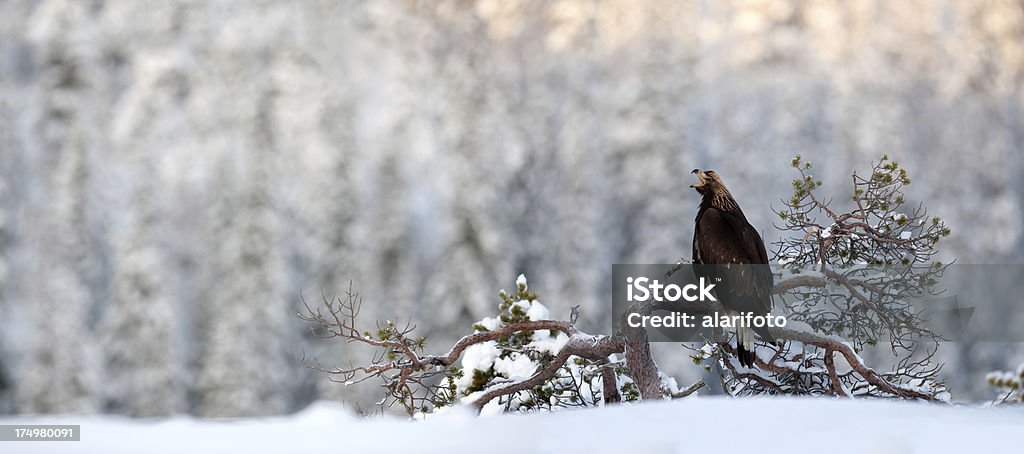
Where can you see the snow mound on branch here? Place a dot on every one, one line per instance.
(517, 367)
(489, 357)
(490, 323)
(480, 356)
(537, 311)
(545, 343)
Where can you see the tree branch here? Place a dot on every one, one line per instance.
(582, 345)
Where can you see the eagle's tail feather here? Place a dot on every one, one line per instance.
(745, 346)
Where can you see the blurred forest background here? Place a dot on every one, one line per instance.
(175, 173)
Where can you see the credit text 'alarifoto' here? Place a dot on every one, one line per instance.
(644, 289)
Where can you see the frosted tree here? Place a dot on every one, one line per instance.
(651, 150)
(7, 237)
(145, 368)
(145, 374)
(397, 257)
(472, 229)
(60, 373)
(314, 117)
(315, 120)
(246, 365)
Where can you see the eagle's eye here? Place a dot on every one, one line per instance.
(710, 173)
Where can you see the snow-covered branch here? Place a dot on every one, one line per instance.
(421, 382)
(579, 344)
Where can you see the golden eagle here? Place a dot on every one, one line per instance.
(722, 236)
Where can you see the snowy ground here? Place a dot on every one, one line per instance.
(754, 425)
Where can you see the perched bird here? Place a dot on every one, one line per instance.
(721, 237)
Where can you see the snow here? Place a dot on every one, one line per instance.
(538, 311)
(521, 282)
(544, 342)
(688, 425)
(490, 323)
(480, 356)
(669, 382)
(516, 366)
(706, 351)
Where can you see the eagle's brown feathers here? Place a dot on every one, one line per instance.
(722, 236)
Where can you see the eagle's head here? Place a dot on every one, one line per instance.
(709, 182)
(714, 191)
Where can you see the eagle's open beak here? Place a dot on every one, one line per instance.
(700, 175)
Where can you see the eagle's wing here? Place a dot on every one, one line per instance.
(725, 238)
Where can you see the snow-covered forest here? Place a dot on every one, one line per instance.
(174, 175)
